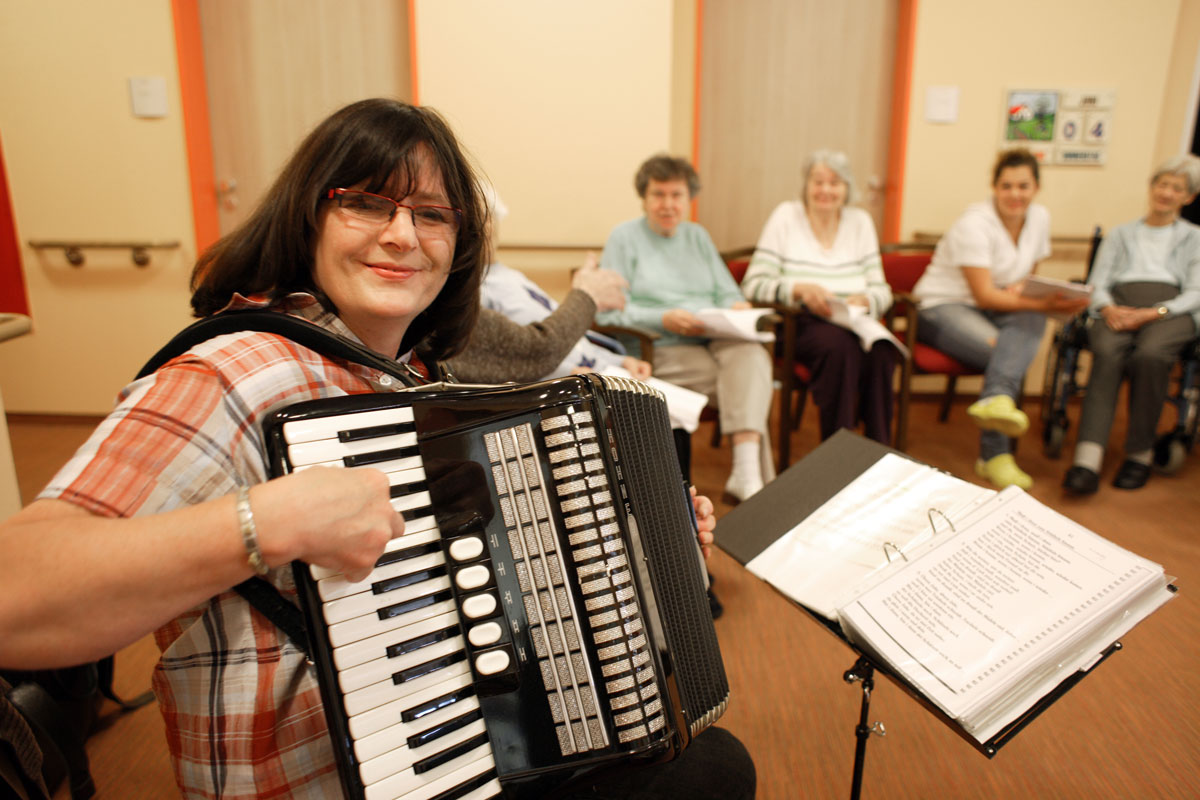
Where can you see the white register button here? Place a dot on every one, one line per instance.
(491, 663)
(466, 549)
(484, 634)
(473, 577)
(478, 606)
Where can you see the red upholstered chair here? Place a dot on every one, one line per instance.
(903, 265)
(793, 377)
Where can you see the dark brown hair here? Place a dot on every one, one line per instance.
(372, 143)
(663, 167)
(1017, 157)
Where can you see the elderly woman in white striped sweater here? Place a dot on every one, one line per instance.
(812, 253)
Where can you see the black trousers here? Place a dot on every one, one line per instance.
(848, 385)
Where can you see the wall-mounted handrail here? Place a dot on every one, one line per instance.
(73, 249)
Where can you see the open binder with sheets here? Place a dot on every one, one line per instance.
(981, 603)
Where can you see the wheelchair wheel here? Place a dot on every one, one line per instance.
(1169, 453)
(1052, 439)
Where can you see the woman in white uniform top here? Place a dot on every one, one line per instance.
(971, 306)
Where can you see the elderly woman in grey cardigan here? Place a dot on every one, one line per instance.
(1146, 307)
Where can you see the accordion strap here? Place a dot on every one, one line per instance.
(257, 592)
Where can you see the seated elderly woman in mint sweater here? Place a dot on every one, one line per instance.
(674, 270)
(1146, 307)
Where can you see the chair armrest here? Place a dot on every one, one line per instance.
(642, 338)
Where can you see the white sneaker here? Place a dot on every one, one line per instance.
(740, 488)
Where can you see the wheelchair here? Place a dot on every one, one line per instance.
(1062, 383)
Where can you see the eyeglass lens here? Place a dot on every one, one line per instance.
(378, 209)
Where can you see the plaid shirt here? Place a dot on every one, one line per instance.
(242, 709)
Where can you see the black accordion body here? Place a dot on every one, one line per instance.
(545, 612)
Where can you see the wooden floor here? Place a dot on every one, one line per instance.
(1127, 731)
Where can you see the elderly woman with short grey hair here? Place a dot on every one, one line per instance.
(814, 253)
(1145, 307)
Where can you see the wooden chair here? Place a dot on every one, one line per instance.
(903, 265)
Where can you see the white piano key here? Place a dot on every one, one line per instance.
(410, 786)
(338, 587)
(351, 630)
(403, 477)
(368, 699)
(411, 501)
(307, 430)
(388, 739)
(380, 669)
(457, 676)
(366, 601)
(403, 758)
(373, 647)
(332, 449)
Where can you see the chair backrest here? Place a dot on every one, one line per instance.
(903, 268)
(738, 261)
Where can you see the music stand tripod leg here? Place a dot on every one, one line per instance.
(863, 671)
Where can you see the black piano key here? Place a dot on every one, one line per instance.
(376, 431)
(436, 704)
(417, 642)
(438, 731)
(400, 581)
(429, 666)
(423, 601)
(380, 456)
(404, 489)
(417, 513)
(449, 754)
(408, 552)
(464, 789)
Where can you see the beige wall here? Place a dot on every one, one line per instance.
(558, 102)
(988, 48)
(80, 166)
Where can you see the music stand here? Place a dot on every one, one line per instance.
(804, 487)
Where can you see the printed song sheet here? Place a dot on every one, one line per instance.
(891, 508)
(735, 323)
(1008, 606)
(859, 320)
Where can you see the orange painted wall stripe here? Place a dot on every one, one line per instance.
(893, 197)
(699, 63)
(193, 99)
(412, 49)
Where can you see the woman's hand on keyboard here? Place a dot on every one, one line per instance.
(336, 518)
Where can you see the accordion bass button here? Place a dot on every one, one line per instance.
(466, 549)
(479, 606)
(492, 662)
(473, 577)
(484, 634)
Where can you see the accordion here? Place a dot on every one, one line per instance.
(545, 612)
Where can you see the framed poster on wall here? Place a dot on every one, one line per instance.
(1059, 126)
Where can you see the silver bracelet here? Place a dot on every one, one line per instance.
(254, 556)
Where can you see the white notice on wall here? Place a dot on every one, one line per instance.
(941, 104)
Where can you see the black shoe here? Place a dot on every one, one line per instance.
(714, 605)
(1131, 475)
(1081, 480)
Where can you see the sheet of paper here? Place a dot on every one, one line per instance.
(890, 509)
(735, 323)
(858, 319)
(974, 614)
(683, 405)
(1040, 286)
